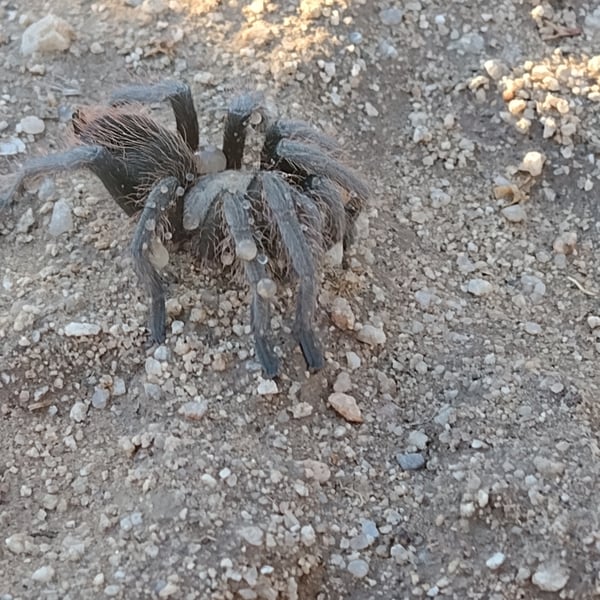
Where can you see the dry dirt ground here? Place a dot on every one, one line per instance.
(474, 473)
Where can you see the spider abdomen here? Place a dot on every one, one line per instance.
(146, 150)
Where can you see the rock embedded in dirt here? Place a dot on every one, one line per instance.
(78, 412)
(316, 470)
(565, 243)
(418, 439)
(11, 146)
(253, 535)
(358, 567)
(550, 578)
(341, 314)
(593, 321)
(391, 16)
(44, 574)
(307, 535)
(194, 410)
(346, 406)
(369, 334)
(514, 213)
(532, 328)
(479, 287)
(31, 125)
(411, 461)
(19, 543)
(49, 34)
(26, 221)
(267, 387)
(533, 163)
(61, 220)
(75, 329)
(495, 561)
(100, 397)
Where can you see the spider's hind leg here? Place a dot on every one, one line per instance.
(261, 285)
(149, 255)
(177, 93)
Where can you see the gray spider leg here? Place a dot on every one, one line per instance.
(200, 198)
(325, 192)
(297, 130)
(242, 110)
(305, 158)
(239, 226)
(109, 169)
(278, 196)
(177, 93)
(162, 197)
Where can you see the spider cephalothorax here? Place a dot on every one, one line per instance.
(271, 221)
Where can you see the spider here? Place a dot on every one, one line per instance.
(271, 221)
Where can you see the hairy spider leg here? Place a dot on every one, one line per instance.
(239, 226)
(297, 130)
(239, 114)
(328, 197)
(160, 201)
(295, 148)
(279, 197)
(108, 168)
(177, 93)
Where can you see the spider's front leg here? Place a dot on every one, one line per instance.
(262, 286)
(244, 110)
(177, 93)
(278, 196)
(97, 159)
(149, 255)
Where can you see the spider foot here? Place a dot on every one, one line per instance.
(10, 186)
(313, 355)
(267, 358)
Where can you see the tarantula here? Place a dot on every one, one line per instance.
(273, 220)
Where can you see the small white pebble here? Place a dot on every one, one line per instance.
(32, 125)
(81, 329)
(153, 366)
(43, 574)
(514, 213)
(532, 328)
(307, 535)
(479, 287)
(374, 336)
(267, 387)
(194, 410)
(495, 561)
(593, 322)
(359, 568)
(371, 110)
(533, 163)
(78, 412)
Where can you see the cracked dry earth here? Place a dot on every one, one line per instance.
(176, 472)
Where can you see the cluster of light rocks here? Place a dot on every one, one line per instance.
(549, 91)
